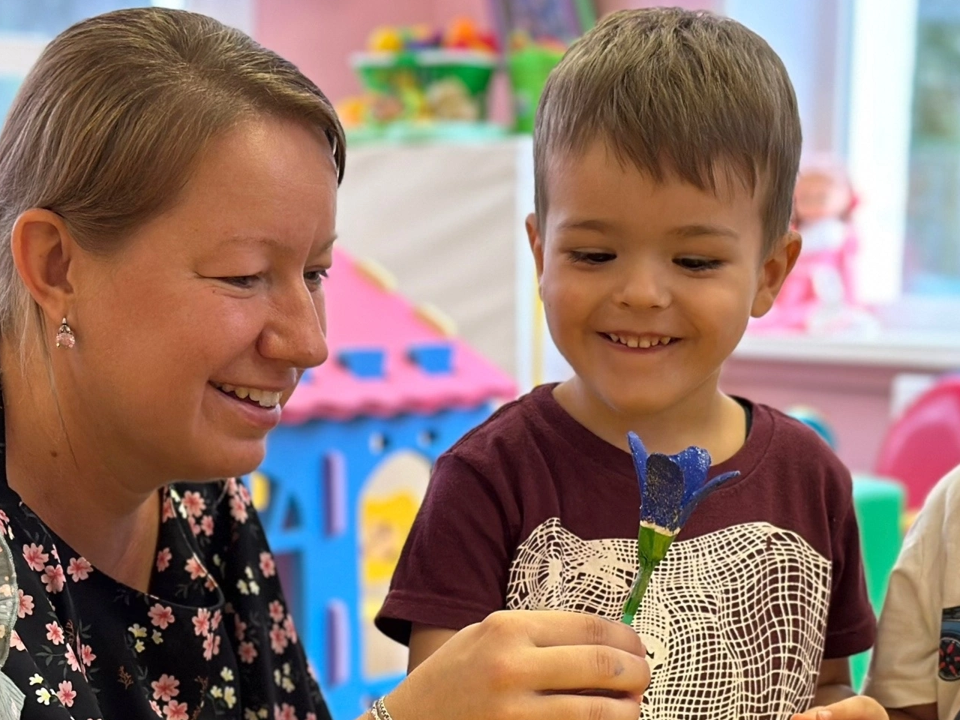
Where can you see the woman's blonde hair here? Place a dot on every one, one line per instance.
(109, 123)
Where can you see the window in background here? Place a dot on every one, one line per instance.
(931, 258)
(26, 26)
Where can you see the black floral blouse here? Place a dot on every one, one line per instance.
(212, 639)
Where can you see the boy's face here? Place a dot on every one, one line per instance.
(648, 287)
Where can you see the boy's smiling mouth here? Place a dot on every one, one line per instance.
(642, 342)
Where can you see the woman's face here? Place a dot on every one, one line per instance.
(192, 337)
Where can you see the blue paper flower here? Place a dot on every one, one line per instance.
(671, 487)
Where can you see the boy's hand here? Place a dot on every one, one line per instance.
(855, 708)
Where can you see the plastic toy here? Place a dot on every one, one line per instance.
(819, 295)
(923, 444)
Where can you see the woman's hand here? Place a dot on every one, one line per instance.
(854, 708)
(529, 665)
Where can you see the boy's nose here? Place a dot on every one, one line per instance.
(644, 288)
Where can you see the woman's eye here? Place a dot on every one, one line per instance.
(316, 277)
(591, 258)
(698, 264)
(241, 281)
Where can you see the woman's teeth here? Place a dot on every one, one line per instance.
(264, 398)
(643, 342)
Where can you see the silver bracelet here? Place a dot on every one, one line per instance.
(379, 711)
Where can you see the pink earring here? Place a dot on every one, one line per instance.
(65, 336)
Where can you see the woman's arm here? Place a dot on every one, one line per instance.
(528, 666)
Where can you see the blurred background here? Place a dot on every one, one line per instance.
(434, 315)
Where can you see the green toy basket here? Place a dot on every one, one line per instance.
(528, 70)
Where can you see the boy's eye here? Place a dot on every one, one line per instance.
(591, 258)
(698, 264)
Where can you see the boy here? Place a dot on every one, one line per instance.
(666, 149)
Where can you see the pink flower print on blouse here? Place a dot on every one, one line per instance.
(195, 568)
(55, 633)
(267, 565)
(278, 639)
(72, 660)
(161, 616)
(35, 556)
(79, 569)
(211, 647)
(165, 688)
(66, 693)
(207, 525)
(53, 578)
(176, 711)
(201, 622)
(194, 503)
(248, 652)
(290, 629)
(238, 509)
(163, 559)
(86, 654)
(284, 712)
(168, 511)
(276, 611)
(26, 605)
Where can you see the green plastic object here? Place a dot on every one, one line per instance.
(398, 73)
(528, 70)
(879, 504)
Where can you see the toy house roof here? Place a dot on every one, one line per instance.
(389, 357)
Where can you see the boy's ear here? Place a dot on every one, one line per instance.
(536, 242)
(42, 252)
(774, 271)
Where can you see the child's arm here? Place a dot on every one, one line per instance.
(425, 640)
(834, 682)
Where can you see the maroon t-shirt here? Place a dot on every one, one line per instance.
(533, 511)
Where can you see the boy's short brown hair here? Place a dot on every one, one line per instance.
(674, 91)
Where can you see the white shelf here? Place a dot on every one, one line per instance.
(921, 350)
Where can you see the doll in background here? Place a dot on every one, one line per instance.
(818, 296)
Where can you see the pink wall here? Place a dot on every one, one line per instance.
(319, 36)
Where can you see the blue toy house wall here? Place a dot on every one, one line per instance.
(317, 473)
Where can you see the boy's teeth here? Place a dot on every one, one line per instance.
(644, 343)
(264, 398)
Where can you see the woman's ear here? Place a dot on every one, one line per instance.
(774, 271)
(42, 252)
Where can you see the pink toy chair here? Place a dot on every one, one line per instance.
(923, 444)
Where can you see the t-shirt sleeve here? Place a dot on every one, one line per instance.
(454, 566)
(851, 623)
(904, 665)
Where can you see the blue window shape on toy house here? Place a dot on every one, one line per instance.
(364, 363)
(433, 358)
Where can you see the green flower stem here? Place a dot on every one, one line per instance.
(637, 591)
